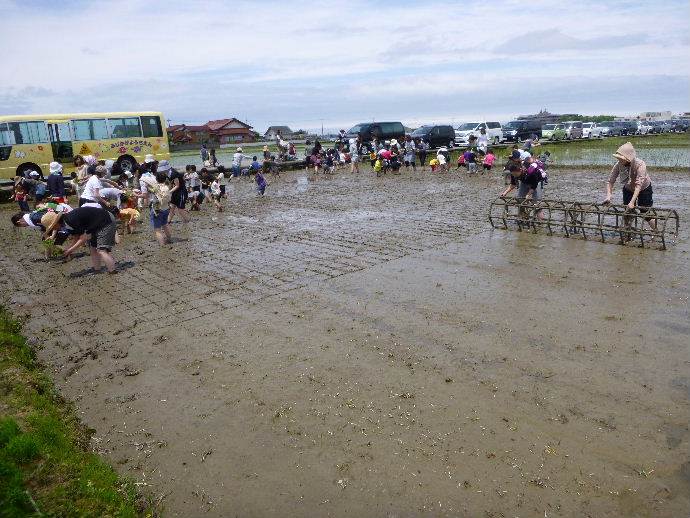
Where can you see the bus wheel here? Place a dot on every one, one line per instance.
(29, 166)
(126, 163)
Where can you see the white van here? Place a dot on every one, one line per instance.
(591, 130)
(493, 131)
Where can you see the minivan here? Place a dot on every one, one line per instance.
(435, 136)
(381, 130)
(573, 129)
(494, 132)
(517, 131)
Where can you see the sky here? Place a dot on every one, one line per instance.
(337, 63)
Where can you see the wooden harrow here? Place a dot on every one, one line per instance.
(588, 220)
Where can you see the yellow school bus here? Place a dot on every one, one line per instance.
(33, 141)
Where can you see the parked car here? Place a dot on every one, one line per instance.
(553, 132)
(609, 129)
(591, 130)
(629, 127)
(643, 127)
(657, 127)
(517, 131)
(494, 132)
(667, 126)
(436, 136)
(680, 125)
(573, 129)
(381, 130)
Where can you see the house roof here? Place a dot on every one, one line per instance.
(282, 129)
(220, 123)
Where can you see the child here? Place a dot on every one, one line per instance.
(255, 165)
(20, 196)
(329, 167)
(260, 182)
(194, 198)
(216, 194)
(471, 160)
(442, 156)
(488, 161)
(378, 166)
(461, 161)
(434, 163)
(74, 184)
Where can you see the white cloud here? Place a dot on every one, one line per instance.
(302, 61)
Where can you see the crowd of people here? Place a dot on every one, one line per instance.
(105, 198)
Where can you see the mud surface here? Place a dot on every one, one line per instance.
(354, 346)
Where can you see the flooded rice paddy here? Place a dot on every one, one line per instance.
(361, 346)
(670, 151)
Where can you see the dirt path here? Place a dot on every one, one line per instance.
(355, 346)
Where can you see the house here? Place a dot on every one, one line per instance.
(230, 131)
(216, 132)
(186, 134)
(272, 131)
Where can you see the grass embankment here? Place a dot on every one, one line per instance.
(45, 468)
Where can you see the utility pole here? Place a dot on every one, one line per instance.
(322, 128)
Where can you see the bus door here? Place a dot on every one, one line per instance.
(61, 141)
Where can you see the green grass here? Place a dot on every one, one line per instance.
(45, 468)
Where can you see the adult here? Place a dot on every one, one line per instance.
(531, 142)
(80, 167)
(178, 195)
(410, 153)
(203, 153)
(92, 187)
(525, 180)
(146, 177)
(637, 185)
(237, 158)
(95, 225)
(422, 149)
(483, 140)
(341, 137)
(355, 150)
(56, 183)
(31, 184)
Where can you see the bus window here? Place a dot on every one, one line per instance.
(6, 137)
(27, 132)
(123, 128)
(90, 129)
(152, 126)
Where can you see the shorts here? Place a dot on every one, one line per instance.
(159, 219)
(222, 190)
(524, 189)
(354, 159)
(236, 170)
(179, 200)
(104, 239)
(486, 167)
(643, 200)
(23, 205)
(472, 167)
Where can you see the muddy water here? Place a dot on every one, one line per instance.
(353, 346)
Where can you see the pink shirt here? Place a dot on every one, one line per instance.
(490, 159)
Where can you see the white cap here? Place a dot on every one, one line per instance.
(149, 158)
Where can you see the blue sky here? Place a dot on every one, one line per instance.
(338, 63)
